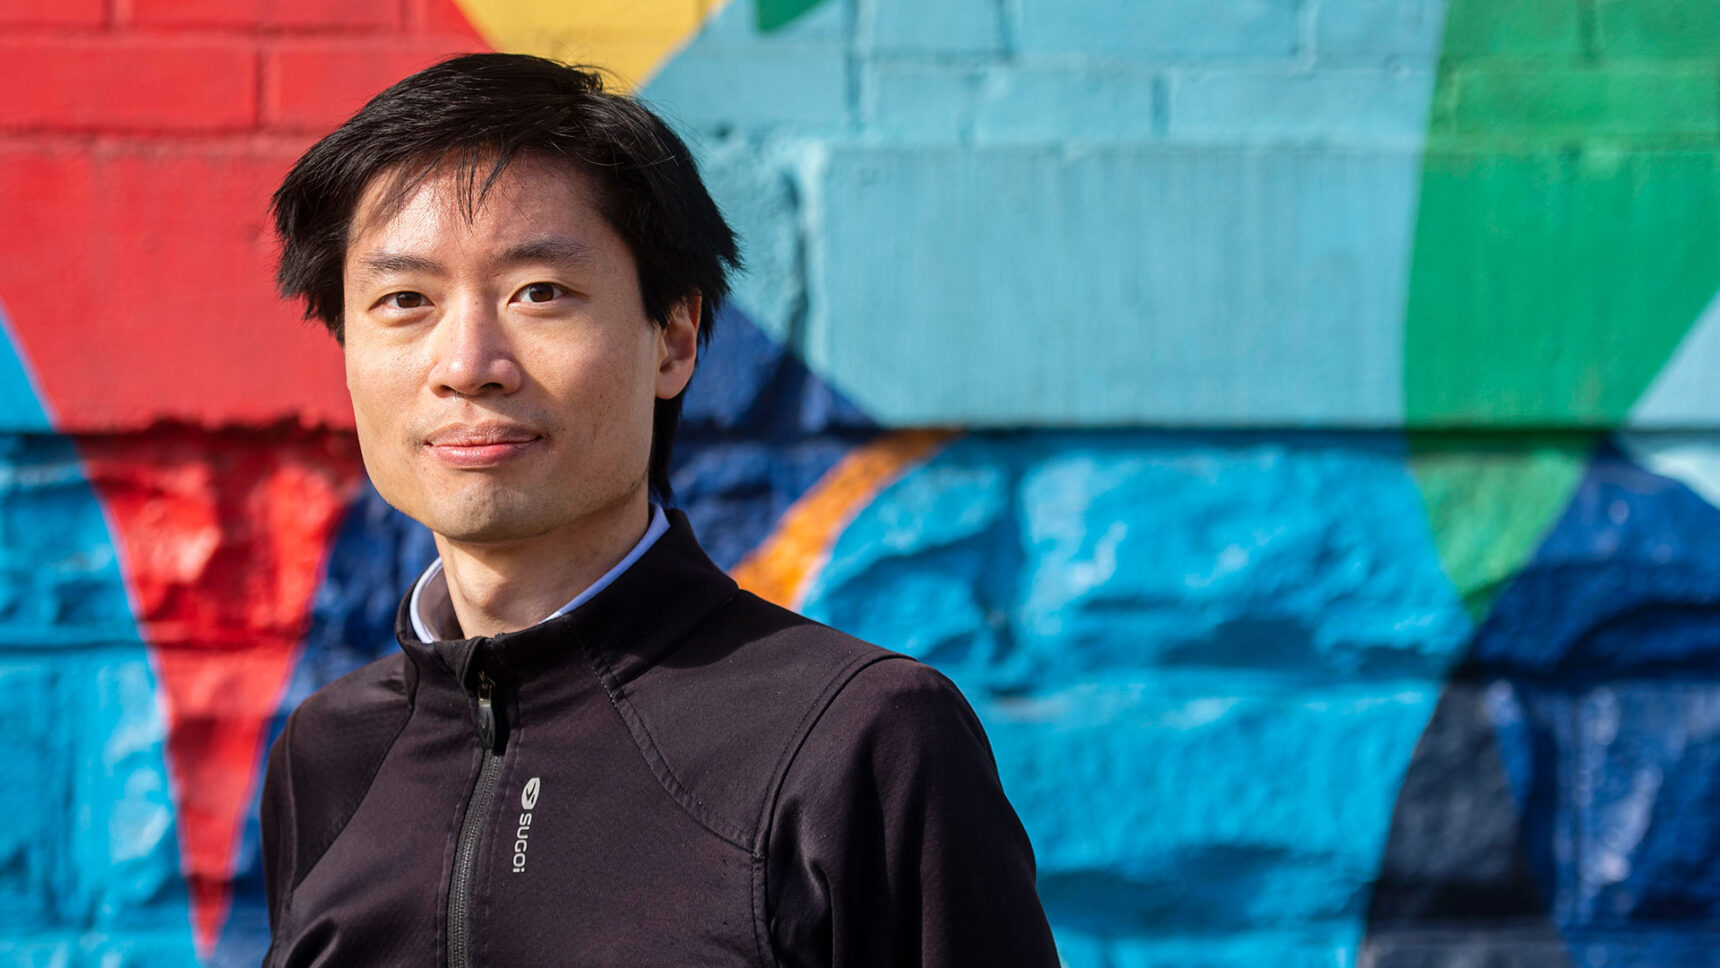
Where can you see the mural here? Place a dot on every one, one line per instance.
(1289, 421)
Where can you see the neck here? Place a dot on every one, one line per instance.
(505, 587)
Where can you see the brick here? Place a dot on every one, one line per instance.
(1457, 852)
(123, 869)
(949, 27)
(61, 13)
(36, 798)
(152, 337)
(1559, 105)
(924, 102)
(1162, 29)
(1051, 106)
(1288, 793)
(300, 14)
(60, 582)
(1129, 246)
(1379, 28)
(1657, 29)
(1525, 29)
(721, 87)
(1443, 946)
(315, 85)
(127, 83)
(439, 17)
(1344, 106)
(737, 25)
(1646, 789)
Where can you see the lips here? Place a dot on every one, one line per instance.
(481, 445)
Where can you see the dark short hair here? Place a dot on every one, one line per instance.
(479, 112)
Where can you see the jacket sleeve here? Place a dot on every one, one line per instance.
(892, 842)
(275, 818)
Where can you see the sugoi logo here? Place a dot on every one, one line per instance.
(522, 835)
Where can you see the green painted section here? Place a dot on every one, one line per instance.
(1567, 237)
(1568, 232)
(1658, 28)
(776, 14)
(1490, 500)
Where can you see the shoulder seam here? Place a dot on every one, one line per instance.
(369, 781)
(779, 774)
(646, 743)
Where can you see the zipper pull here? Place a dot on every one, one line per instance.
(486, 711)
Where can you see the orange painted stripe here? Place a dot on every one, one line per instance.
(782, 567)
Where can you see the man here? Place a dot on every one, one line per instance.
(592, 748)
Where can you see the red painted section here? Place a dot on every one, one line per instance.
(223, 537)
(139, 283)
(314, 85)
(274, 14)
(110, 83)
(60, 13)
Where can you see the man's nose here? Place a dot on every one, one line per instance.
(473, 354)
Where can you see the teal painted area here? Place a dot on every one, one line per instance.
(21, 402)
(89, 857)
(1083, 212)
(1203, 661)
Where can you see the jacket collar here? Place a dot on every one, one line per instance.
(642, 616)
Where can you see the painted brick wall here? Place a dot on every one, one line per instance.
(1259, 408)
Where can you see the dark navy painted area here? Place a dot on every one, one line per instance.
(1563, 806)
(758, 429)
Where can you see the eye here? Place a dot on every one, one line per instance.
(403, 300)
(540, 292)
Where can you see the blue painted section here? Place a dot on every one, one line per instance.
(22, 406)
(1209, 635)
(1001, 215)
(89, 858)
(758, 429)
(1611, 637)
(1627, 581)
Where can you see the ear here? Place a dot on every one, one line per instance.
(678, 346)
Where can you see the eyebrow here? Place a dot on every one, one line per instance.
(397, 263)
(550, 248)
(553, 249)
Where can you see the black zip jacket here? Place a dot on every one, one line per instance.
(675, 773)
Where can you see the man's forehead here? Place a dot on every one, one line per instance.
(468, 187)
(469, 195)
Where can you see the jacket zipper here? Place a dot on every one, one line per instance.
(472, 830)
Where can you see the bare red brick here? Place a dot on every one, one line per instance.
(127, 84)
(315, 85)
(288, 14)
(58, 13)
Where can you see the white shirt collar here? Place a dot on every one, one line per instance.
(432, 611)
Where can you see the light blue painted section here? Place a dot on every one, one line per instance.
(21, 400)
(1121, 285)
(1040, 213)
(89, 852)
(1160, 28)
(1343, 106)
(1376, 31)
(948, 27)
(1231, 643)
(1686, 393)
(1692, 459)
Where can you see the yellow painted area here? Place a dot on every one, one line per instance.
(782, 566)
(630, 39)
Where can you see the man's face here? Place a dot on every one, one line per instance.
(502, 369)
